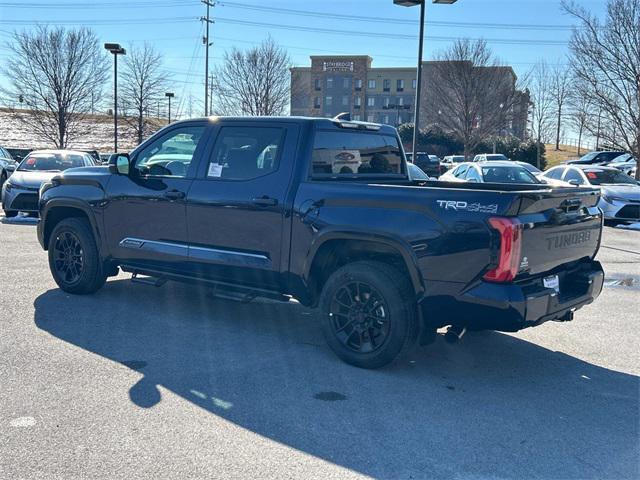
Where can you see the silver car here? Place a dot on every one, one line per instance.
(20, 191)
(625, 163)
(619, 193)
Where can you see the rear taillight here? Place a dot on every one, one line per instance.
(510, 231)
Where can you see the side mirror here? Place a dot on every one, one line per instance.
(119, 164)
(574, 183)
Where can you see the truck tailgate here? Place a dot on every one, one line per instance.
(558, 227)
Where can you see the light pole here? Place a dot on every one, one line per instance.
(169, 95)
(422, 3)
(116, 50)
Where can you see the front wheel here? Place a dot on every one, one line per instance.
(369, 314)
(10, 213)
(74, 259)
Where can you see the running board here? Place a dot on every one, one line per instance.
(223, 290)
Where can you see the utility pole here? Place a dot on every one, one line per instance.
(207, 44)
(211, 94)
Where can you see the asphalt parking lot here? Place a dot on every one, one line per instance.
(171, 382)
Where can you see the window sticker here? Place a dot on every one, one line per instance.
(591, 175)
(215, 170)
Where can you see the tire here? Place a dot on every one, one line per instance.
(369, 314)
(72, 242)
(10, 213)
(3, 178)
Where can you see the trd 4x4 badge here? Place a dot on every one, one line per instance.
(458, 205)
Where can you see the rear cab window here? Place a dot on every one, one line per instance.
(353, 155)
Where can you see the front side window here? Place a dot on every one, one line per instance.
(244, 153)
(349, 154)
(171, 154)
(473, 175)
(554, 173)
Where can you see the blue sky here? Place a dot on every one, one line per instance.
(519, 31)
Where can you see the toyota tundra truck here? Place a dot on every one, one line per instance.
(323, 211)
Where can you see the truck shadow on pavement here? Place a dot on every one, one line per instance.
(494, 406)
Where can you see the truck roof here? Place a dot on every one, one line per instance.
(318, 122)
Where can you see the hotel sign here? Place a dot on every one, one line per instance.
(337, 66)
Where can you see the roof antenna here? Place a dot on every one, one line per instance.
(342, 117)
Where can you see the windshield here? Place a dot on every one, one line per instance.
(589, 156)
(611, 177)
(622, 158)
(507, 174)
(50, 162)
(424, 158)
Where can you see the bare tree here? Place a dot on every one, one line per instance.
(541, 88)
(144, 83)
(255, 82)
(58, 73)
(476, 96)
(606, 63)
(561, 90)
(581, 117)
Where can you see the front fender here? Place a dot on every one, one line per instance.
(54, 207)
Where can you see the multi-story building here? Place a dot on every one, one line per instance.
(336, 84)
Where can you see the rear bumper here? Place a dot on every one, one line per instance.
(515, 306)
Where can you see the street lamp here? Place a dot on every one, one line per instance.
(116, 50)
(414, 3)
(169, 95)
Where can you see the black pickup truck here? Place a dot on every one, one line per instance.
(323, 211)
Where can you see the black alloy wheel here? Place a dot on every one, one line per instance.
(68, 257)
(360, 317)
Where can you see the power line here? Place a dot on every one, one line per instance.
(361, 18)
(395, 36)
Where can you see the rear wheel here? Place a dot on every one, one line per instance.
(10, 213)
(74, 259)
(369, 314)
(3, 178)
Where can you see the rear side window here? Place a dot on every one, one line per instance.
(573, 175)
(348, 154)
(245, 153)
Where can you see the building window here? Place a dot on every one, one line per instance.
(387, 101)
(370, 118)
(316, 102)
(371, 102)
(386, 85)
(372, 84)
(358, 101)
(400, 85)
(385, 119)
(345, 100)
(317, 84)
(329, 82)
(399, 119)
(346, 83)
(414, 83)
(401, 101)
(328, 101)
(358, 84)
(356, 118)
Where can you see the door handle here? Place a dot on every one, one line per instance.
(174, 195)
(265, 201)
